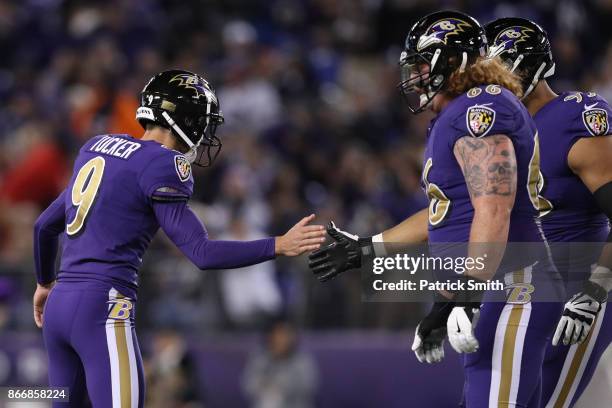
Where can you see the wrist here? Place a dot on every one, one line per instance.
(602, 276)
(469, 293)
(372, 246)
(367, 247)
(595, 291)
(47, 285)
(379, 245)
(277, 245)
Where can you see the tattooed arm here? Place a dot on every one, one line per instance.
(489, 168)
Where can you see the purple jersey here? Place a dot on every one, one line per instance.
(121, 192)
(570, 213)
(109, 217)
(482, 111)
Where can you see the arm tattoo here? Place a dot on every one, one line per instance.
(488, 165)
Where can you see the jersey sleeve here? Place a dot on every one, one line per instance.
(188, 233)
(592, 116)
(486, 114)
(167, 177)
(589, 116)
(46, 230)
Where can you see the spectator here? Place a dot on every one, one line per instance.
(281, 376)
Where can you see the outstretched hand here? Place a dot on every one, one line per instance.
(301, 238)
(345, 253)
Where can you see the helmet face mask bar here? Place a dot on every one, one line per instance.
(207, 145)
(524, 47)
(436, 46)
(186, 104)
(416, 79)
(210, 146)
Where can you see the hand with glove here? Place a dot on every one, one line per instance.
(464, 317)
(460, 327)
(580, 314)
(428, 344)
(347, 252)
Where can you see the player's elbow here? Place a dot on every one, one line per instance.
(199, 254)
(202, 264)
(197, 258)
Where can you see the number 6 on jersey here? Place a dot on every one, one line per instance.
(84, 192)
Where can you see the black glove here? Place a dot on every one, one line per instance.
(428, 344)
(346, 253)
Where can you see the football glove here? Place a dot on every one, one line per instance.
(428, 344)
(460, 326)
(464, 316)
(347, 252)
(579, 314)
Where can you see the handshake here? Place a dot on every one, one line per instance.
(349, 252)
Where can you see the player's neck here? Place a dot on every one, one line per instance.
(161, 136)
(540, 96)
(440, 101)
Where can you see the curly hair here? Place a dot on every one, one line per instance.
(484, 71)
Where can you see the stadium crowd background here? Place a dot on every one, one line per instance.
(314, 123)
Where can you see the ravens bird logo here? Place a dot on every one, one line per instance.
(439, 32)
(508, 39)
(196, 83)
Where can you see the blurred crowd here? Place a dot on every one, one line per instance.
(314, 123)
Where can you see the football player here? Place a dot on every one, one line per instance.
(576, 203)
(122, 191)
(480, 174)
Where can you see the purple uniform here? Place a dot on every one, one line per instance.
(505, 371)
(480, 112)
(121, 192)
(570, 214)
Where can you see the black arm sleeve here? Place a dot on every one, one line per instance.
(603, 196)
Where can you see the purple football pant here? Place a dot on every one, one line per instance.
(568, 369)
(506, 370)
(91, 344)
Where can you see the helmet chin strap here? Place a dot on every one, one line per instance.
(426, 98)
(464, 60)
(423, 100)
(434, 59)
(193, 149)
(535, 80)
(517, 62)
(550, 72)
